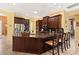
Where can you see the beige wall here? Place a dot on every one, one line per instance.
(75, 14)
(32, 27)
(10, 26)
(77, 28)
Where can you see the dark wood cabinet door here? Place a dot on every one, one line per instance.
(45, 20)
(51, 22)
(19, 44)
(54, 22)
(18, 20)
(39, 25)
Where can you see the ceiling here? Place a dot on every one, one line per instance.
(34, 9)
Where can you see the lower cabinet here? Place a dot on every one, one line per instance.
(30, 45)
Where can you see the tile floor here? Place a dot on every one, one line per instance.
(6, 50)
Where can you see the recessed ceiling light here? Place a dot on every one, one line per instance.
(54, 3)
(35, 12)
(59, 6)
(13, 4)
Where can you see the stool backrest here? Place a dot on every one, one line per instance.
(68, 35)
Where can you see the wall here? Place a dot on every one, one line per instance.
(10, 26)
(75, 14)
(77, 28)
(32, 27)
(33, 24)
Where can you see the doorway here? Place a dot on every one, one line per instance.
(3, 23)
(72, 27)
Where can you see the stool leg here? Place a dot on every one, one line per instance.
(67, 44)
(53, 50)
(62, 47)
(58, 50)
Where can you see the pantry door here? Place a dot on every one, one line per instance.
(3, 25)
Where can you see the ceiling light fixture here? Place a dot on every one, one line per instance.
(59, 6)
(13, 4)
(35, 12)
(54, 3)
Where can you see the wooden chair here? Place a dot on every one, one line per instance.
(57, 41)
(60, 31)
(54, 43)
(67, 40)
(64, 42)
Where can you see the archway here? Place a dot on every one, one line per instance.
(72, 26)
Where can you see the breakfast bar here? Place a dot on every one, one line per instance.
(32, 43)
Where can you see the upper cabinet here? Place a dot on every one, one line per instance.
(54, 21)
(42, 23)
(45, 20)
(50, 22)
(21, 25)
(19, 20)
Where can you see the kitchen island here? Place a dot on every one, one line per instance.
(32, 43)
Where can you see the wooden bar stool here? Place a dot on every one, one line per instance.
(67, 41)
(54, 43)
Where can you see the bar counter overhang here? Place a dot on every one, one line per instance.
(32, 43)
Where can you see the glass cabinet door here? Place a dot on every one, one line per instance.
(18, 28)
(22, 27)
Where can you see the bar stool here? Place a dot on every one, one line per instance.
(61, 37)
(54, 43)
(64, 40)
(67, 40)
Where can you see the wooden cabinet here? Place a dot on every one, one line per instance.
(21, 24)
(19, 44)
(18, 20)
(50, 22)
(29, 44)
(45, 20)
(54, 21)
(38, 25)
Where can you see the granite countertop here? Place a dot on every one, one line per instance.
(37, 35)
